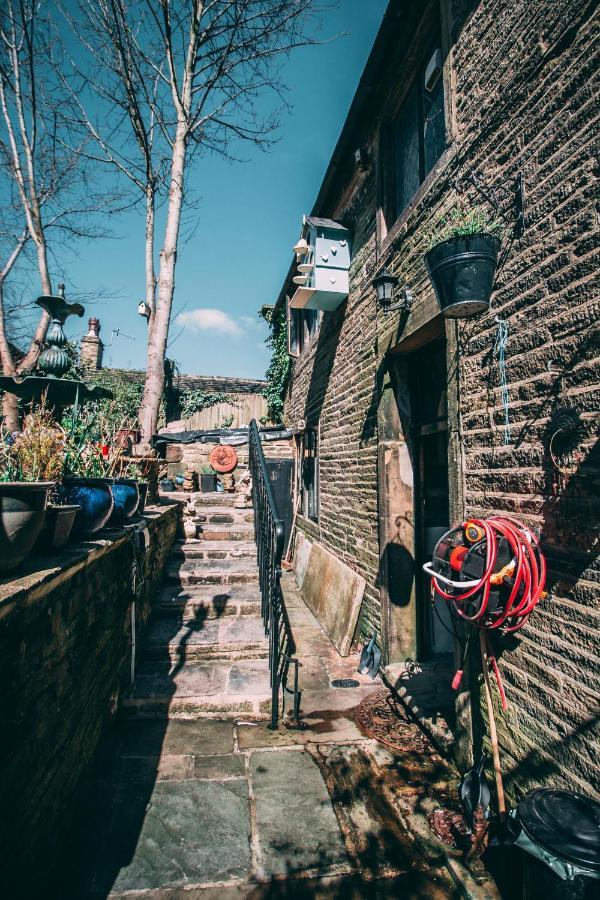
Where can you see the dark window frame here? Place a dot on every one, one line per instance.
(303, 326)
(310, 474)
(391, 205)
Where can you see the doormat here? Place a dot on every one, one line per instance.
(345, 683)
(381, 717)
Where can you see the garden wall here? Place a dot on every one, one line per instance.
(65, 655)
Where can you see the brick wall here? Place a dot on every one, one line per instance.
(65, 649)
(525, 78)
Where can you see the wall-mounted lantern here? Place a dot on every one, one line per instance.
(323, 254)
(384, 284)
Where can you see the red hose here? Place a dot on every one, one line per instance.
(529, 576)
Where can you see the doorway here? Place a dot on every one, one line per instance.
(429, 434)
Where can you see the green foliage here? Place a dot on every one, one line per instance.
(227, 421)
(36, 453)
(193, 401)
(463, 221)
(278, 371)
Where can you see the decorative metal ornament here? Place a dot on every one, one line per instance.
(54, 360)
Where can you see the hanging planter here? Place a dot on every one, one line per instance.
(462, 272)
(462, 261)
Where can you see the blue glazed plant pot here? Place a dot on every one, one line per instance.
(95, 499)
(126, 498)
(22, 514)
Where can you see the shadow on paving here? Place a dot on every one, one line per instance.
(134, 771)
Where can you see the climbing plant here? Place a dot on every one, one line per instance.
(195, 400)
(278, 370)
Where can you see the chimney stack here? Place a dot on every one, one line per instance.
(90, 352)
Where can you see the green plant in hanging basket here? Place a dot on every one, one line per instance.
(463, 221)
(461, 261)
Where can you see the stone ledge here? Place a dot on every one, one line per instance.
(41, 574)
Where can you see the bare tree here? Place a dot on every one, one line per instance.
(196, 72)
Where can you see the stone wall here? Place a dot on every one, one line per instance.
(65, 655)
(195, 456)
(522, 80)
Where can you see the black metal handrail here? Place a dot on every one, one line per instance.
(269, 532)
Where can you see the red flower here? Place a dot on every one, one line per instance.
(104, 448)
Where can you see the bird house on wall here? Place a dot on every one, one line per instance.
(323, 254)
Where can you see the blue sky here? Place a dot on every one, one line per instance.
(247, 219)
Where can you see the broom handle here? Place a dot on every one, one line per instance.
(493, 732)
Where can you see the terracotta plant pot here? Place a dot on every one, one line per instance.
(57, 527)
(462, 272)
(22, 514)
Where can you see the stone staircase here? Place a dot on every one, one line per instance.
(205, 654)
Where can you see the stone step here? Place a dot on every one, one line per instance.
(218, 571)
(220, 498)
(191, 691)
(202, 549)
(211, 601)
(222, 515)
(197, 638)
(237, 531)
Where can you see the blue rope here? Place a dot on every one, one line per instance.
(500, 348)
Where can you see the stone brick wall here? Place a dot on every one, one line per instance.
(65, 653)
(524, 79)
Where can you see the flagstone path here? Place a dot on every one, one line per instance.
(195, 798)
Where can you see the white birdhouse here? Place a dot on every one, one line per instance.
(144, 309)
(324, 255)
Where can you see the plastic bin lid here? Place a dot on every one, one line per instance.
(564, 823)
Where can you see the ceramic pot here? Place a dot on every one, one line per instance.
(57, 528)
(126, 498)
(143, 492)
(95, 499)
(22, 514)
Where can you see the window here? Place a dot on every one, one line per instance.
(416, 138)
(303, 327)
(310, 475)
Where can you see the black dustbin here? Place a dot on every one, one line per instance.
(560, 834)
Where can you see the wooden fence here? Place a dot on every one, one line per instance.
(243, 408)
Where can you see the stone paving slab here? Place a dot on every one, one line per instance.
(193, 832)
(297, 828)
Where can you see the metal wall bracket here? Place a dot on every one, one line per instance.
(497, 194)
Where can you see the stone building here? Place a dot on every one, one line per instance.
(402, 419)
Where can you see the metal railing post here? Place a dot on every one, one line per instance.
(270, 538)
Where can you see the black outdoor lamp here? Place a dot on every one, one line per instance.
(384, 284)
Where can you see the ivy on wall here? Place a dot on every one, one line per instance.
(278, 371)
(195, 400)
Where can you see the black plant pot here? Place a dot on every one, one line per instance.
(57, 528)
(22, 513)
(143, 491)
(208, 484)
(462, 272)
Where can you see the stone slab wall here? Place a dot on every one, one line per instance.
(523, 78)
(65, 654)
(196, 455)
